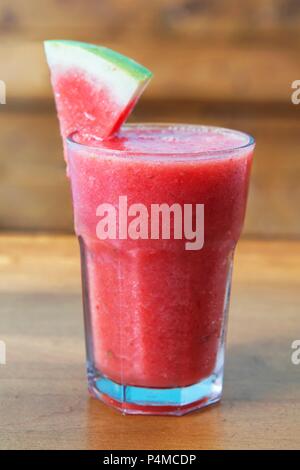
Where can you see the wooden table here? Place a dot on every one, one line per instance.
(43, 397)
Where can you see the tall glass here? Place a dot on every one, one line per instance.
(156, 298)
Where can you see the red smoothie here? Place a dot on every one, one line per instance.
(155, 311)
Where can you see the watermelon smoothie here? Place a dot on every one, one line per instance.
(155, 311)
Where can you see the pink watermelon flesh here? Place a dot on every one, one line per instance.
(84, 109)
(95, 88)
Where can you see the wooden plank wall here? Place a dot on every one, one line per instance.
(222, 62)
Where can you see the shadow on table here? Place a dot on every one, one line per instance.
(45, 339)
(261, 371)
(257, 372)
(108, 429)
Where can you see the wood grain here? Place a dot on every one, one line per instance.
(44, 402)
(227, 63)
(226, 50)
(182, 68)
(34, 192)
(200, 19)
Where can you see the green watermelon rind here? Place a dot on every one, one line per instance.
(132, 68)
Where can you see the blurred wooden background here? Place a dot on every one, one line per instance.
(222, 62)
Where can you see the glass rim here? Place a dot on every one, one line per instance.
(192, 155)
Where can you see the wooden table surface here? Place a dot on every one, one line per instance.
(43, 397)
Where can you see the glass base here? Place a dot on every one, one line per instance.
(157, 401)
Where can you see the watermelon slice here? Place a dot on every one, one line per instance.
(95, 88)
